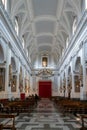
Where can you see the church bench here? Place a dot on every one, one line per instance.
(71, 106)
(1, 127)
(82, 117)
(19, 106)
(10, 123)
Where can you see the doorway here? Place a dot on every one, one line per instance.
(45, 89)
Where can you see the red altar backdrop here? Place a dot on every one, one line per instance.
(45, 89)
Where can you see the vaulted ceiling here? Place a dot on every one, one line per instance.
(45, 24)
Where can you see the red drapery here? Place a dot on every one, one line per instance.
(45, 89)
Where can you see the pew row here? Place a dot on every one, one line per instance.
(82, 117)
(18, 106)
(71, 106)
(10, 123)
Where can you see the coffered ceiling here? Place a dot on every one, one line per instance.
(45, 25)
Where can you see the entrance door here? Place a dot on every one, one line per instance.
(45, 89)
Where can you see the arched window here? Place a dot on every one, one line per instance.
(67, 42)
(27, 52)
(85, 4)
(62, 51)
(23, 41)
(16, 24)
(74, 24)
(4, 3)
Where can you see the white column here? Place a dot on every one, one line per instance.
(73, 85)
(23, 79)
(7, 87)
(84, 59)
(18, 71)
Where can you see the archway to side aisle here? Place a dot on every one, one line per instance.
(45, 89)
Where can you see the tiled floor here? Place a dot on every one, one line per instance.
(46, 117)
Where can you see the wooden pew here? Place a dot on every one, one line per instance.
(19, 106)
(71, 106)
(6, 125)
(82, 117)
(1, 127)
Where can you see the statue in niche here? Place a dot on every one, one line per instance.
(69, 86)
(13, 84)
(12, 79)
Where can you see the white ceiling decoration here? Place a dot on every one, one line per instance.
(45, 24)
(44, 7)
(45, 39)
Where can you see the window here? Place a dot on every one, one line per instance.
(27, 52)
(16, 24)
(4, 3)
(23, 41)
(74, 24)
(67, 42)
(62, 51)
(44, 61)
(85, 4)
